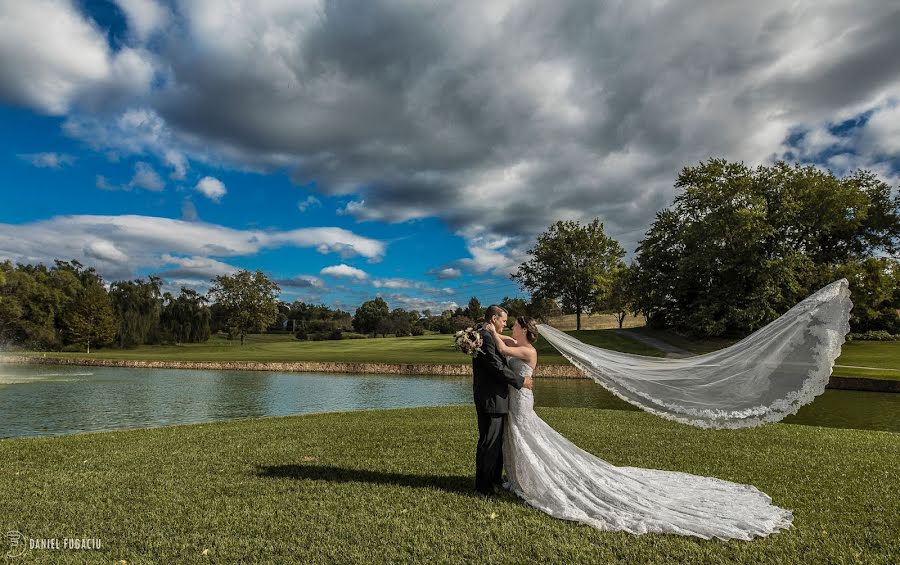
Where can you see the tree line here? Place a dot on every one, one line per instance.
(737, 249)
(68, 307)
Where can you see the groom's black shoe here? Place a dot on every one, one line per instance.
(487, 494)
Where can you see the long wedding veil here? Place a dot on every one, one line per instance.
(766, 376)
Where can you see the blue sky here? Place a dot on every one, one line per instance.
(399, 149)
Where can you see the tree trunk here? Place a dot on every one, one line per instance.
(621, 319)
(578, 318)
(242, 338)
(89, 346)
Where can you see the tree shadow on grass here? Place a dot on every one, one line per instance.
(456, 484)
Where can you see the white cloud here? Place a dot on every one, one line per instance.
(105, 251)
(48, 53)
(147, 178)
(345, 271)
(118, 245)
(47, 160)
(144, 17)
(309, 202)
(212, 188)
(394, 283)
(53, 58)
(445, 273)
(194, 266)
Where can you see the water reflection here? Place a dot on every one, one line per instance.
(49, 399)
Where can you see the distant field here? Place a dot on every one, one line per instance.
(595, 322)
(871, 359)
(436, 349)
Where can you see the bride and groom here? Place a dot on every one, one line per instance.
(552, 474)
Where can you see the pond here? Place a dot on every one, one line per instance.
(53, 399)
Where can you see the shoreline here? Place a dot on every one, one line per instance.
(412, 369)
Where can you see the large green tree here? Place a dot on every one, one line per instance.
(137, 304)
(740, 246)
(617, 297)
(573, 263)
(89, 319)
(372, 317)
(249, 301)
(185, 318)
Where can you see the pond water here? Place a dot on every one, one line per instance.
(53, 399)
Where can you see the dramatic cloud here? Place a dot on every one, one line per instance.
(498, 117)
(211, 188)
(118, 245)
(47, 160)
(51, 56)
(345, 271)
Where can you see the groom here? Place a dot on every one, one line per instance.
(491, 376)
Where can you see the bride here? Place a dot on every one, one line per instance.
(553, 475)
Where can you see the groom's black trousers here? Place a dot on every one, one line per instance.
(489, 454)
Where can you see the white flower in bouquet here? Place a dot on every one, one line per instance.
(468, 341)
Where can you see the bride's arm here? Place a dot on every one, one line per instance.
(507, 346)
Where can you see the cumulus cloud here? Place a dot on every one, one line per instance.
(119, 245)
(211, 188)
(499, 118)
(52, 56)
(345, 271)
(47, 160)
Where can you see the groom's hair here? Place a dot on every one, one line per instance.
(491, 311)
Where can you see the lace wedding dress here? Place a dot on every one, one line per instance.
(553, 475)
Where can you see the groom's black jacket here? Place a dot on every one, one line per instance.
(490, 377)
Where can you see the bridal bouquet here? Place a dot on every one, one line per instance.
(468, 341)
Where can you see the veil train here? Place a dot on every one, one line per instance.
(763, 378)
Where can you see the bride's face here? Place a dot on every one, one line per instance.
(517, 332)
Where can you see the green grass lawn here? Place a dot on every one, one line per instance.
(396, 486)
(283, 347)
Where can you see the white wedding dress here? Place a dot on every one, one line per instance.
(554, 475)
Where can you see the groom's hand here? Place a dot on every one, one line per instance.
(529, 383)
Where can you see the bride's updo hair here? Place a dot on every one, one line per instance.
(530, 326)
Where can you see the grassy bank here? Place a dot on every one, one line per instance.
(395, 485)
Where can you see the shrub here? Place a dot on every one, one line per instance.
(879, 335)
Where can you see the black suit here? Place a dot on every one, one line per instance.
(490, 378)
